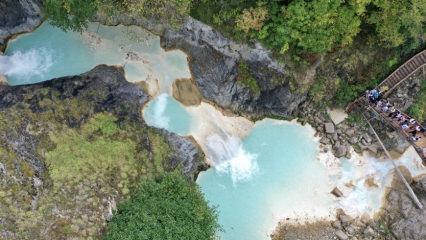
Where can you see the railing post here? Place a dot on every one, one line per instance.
(407, 185)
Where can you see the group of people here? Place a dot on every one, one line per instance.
(408, 124)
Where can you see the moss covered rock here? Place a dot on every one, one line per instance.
(74, 147)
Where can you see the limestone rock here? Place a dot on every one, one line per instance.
(336, 192)
(215, 64)
(341, 235)
(17, 17)
(186, 92)
(329, 128)
(340, 151)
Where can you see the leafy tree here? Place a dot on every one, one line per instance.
(70, 14)
(311, 26)
(252, 19)
(167, 208)
(171, 11)
(398, 21)
(75, 14)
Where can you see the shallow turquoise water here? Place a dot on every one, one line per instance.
(165, 112)
(286, 163)
(259, 180)
(49, 53)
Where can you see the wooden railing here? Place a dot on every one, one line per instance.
(418, 145)
(401, 74)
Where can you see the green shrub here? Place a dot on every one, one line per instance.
(247, 79)
(92, 154)
(418, 109)
(166, 208)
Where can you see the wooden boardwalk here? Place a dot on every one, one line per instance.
(419, 146)
(401, 74)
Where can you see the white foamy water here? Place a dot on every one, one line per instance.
(261, 173)
(25, 65)
(230, 157)
(160, 119)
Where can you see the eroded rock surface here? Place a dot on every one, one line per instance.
(186, 92)
(215, 64)
(73, 147)
(17, 16)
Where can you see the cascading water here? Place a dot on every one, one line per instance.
(230, 157)
(25, 65)
(161, 121)
(269, 175)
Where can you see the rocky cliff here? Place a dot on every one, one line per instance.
(215, 63)
(71, 148)
(17, 16)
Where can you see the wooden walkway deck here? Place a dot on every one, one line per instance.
(419, 146)
(401, 74)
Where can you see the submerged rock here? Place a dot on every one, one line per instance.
(186, 92)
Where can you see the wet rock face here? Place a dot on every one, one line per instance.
(18, 16)
(214, 63)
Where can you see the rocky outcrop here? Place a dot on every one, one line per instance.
(107, 87)
(185, 154)
(403, 218)
(214, 62)
(399, 219)
(18, 16)
(186, 92)
(73, 147)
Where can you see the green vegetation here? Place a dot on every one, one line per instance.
(96, 152)
(247, 79)
(78, 162)
(315, 26)
(70, 14)
(75, 14)
(168, 207)
(398, 22)
(364, 39)
(418, 109)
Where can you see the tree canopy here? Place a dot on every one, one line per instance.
(398, 21)
(164, 209)
(70, 14)
(75, 14)
(315, 27)
(303, 26)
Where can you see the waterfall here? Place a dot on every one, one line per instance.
(230, 157)
(24, 65)
(160, 120)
